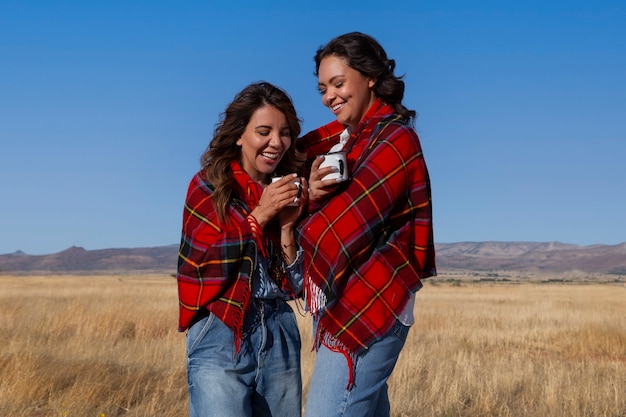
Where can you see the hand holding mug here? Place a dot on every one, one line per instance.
(298, 184)
(327, 171)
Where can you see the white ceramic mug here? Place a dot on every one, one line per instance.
(337, 160)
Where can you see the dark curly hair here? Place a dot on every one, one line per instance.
(364, 54)
(232, 123)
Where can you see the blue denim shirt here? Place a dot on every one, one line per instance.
(263, 286)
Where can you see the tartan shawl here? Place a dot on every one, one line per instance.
(369, 244)
(216, 261)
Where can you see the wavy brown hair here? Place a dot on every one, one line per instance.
(364, 54)
(223, 149)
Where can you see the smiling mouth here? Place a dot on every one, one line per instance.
(336, 107)
(273, 156)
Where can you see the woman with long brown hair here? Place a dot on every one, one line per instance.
(239, 262)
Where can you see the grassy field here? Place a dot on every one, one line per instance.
(106, 346)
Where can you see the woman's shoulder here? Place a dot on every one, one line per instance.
(319, 140)
(200, 182)
(395, 128)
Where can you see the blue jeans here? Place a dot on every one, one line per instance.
(329, 395)
(263, 379)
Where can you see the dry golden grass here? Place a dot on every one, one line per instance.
(107, 346)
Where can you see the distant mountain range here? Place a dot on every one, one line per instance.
(160, 259)
(526, 257)
(532, 257)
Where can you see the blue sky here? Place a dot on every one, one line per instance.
(106, 107)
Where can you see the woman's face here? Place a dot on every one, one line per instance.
(345, 91)
(264, 142)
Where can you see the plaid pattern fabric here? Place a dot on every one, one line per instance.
(216, 261)
(369, 245)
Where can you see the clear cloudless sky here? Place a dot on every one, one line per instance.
(106, 107)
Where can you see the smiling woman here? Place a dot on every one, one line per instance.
(369, 242)
(239, 263)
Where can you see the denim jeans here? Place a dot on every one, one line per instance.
(329, 395)
(263, 379)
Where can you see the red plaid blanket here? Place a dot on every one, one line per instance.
(369, 245)
(216, 261)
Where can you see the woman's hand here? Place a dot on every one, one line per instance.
(318, 187)
(288, 216)
(277, 197)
